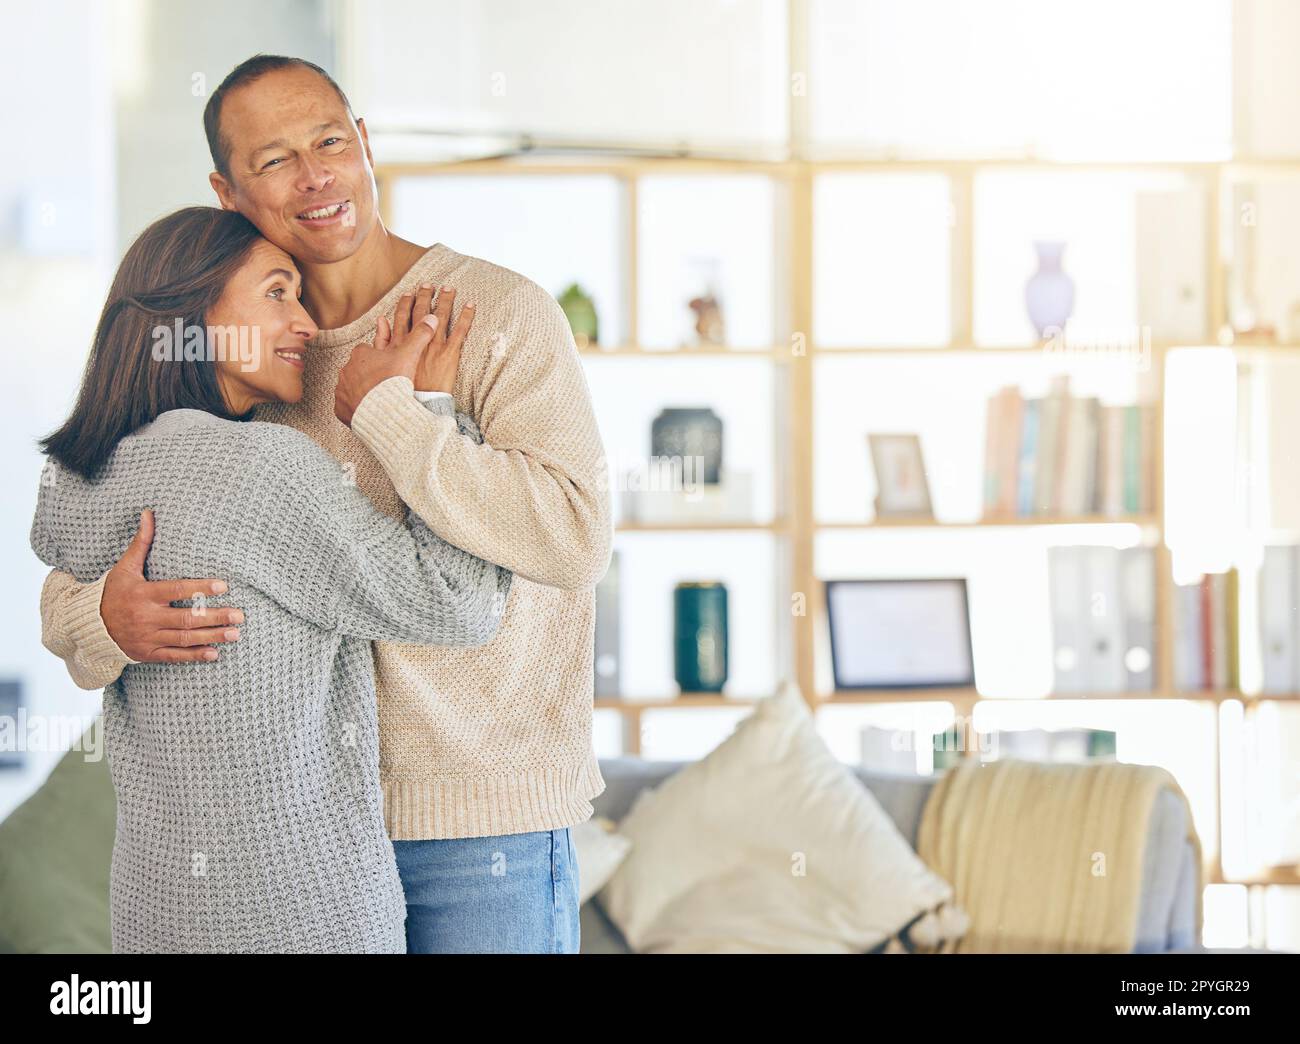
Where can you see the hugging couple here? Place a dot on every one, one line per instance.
(367, 725)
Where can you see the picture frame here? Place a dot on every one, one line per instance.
(900, 633)
(901, 487)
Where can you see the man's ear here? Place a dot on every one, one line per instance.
(222, 188)
(365, 141)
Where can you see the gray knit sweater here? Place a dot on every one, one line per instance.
(249, 809)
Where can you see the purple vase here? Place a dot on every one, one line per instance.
(1049, 294)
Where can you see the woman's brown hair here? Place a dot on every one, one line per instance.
(176, 270)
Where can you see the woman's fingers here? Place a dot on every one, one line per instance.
(442, 310)
(402, 320)
(441, 358)
(460, 330)
(423, 303)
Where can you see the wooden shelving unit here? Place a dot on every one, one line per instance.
(1145, 521)
(796, 526)
(632, 351)
(701, 527)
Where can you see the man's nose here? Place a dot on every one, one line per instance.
(314, 176)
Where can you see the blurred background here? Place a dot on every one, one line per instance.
(1051, 249)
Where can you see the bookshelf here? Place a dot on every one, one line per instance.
(795, 528)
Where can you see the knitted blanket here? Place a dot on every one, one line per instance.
(1046, 857)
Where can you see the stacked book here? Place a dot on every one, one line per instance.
(894, 750)
(1103, 618)
(1205, 634)
(1066, 456)
(1055, 745)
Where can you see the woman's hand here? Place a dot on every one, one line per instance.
(418, 344)
(441, 358)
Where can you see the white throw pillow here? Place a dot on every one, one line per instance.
(600, 851)
(769, 844)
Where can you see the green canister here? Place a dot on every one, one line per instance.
(700, 635)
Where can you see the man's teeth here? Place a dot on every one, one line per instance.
(290, 355)
(323, 212)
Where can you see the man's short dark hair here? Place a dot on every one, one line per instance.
(246, 72)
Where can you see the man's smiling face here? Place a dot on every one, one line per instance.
(300, 165)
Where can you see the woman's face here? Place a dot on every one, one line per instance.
(262, 323)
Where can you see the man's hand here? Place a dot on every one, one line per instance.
(418, 344)
(140, 619)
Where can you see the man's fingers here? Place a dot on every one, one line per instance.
(198, 636)
(383, 332)
(194, 619)
(198, 654)
(133, 558)
(165, 592)
(402, 318)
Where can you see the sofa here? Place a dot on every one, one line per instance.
(55, 851)
(1167, 907)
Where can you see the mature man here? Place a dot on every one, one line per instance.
(486, 753)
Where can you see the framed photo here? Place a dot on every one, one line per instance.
(900, 634)
(901, 489)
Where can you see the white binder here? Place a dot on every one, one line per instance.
(1277, 620)
(1138, 566)
(1068, 593)
(1104, 620)
(1189, 674)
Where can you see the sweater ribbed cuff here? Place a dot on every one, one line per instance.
(390, 418)
(86, 631)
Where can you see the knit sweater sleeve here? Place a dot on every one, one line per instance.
(535, 497)
(72, 629)
(326, 553)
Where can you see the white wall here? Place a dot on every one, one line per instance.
(106, 135)
(700, 72)
(178, 53)
(57, 245)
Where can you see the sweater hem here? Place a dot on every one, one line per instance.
(467, 806)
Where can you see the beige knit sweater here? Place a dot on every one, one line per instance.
(473, 741)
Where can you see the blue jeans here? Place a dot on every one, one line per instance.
(516, 893)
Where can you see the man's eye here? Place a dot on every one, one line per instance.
(277, 293)
(270, 163)
(331, 141)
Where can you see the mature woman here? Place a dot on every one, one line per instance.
(248, 800)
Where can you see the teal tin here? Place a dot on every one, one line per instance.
(700, 635)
